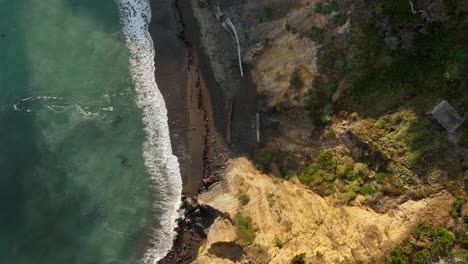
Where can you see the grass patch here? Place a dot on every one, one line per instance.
(244, 225)
(244, 199)
(271, 199)
(287, 226)
(278, 242)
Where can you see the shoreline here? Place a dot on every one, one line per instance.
(196, 140)
(188, 79)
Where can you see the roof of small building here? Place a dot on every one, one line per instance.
(447, 116)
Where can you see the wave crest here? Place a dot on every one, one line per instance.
(161, 164)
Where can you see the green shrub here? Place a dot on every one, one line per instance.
(330, 133)
(265, 156)
(331, 87)
(326, 9)
(341, 171)
(324, 160)
(271, 202)
(287, 226)
(397, 256)
(298, 259)
(343, 65)
(244, 226)
(444, 239)
(283, 171)
(339, 19)
(455, 208)
(244, 199)
(319, 8)
(421, 257)
(440, 239)
(360, 170)
(367, 190)
(380, 177)
(354, 116)
(334, 6)
(463, 238)
(348, 196)
(278, 242)
(267, 12)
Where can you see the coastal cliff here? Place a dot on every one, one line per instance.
(287, 219)
(349, 168)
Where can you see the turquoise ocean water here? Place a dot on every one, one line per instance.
(85, 175)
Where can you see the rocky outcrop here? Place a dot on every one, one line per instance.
(289, 219)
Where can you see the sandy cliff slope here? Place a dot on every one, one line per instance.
(288, 220)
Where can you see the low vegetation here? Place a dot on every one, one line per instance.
(244, 225)
(265, 157)
(339, 19)
(244, 199)
(428, 244)
(456, 210)
(267, 13)
(334, 170)
(326, 9)
(298, 259)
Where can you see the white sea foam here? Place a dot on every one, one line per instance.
(157, 151)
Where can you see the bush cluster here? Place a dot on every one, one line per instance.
(426, 242)
(333, 170)
(456, 208)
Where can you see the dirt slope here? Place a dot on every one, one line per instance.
(288, 219)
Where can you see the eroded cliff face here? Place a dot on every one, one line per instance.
(284, 72)
(287, 219)
(283, 59)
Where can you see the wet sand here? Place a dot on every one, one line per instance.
(174, 80)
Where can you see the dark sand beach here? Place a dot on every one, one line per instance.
(197, 104)
(198, 108)
(173, 79)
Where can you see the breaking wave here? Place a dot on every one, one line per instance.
(161, 164)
